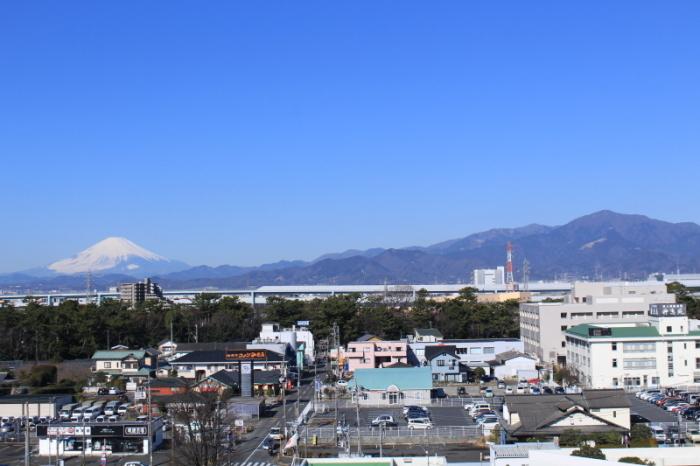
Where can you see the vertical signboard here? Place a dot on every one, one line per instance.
(246, 378)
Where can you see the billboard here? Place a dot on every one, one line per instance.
(237, 355)
(667, 310)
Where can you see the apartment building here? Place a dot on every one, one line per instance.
(139, 292)
(471, 352)
(662, 352)
(374, 354)
(295, 336)
(543, 324)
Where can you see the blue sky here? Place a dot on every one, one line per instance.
(247, 132)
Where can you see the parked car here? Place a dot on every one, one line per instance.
(535, 391)
(384, 420)
(480, 412)
(488, 393)
(509, 390)
(638, 419)
(693, 435)
(547, 391)
(268, 443)
(487, 421)
(438, 393)
(520, 390)
(501, 384)
(420, 424)
(559, 391)
(115, 391)
(7, 427)
(658, 433)
(100, 418)
(461, 391)
(134, 463)
(416, 413)
(408, 408)
(342, 383)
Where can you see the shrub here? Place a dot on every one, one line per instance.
(589, 452)
(41, 375)
(635, 460)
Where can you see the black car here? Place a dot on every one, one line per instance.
(559, 391)
(638, 419)
(547, 391)
(461, 391)
(487, 379)
(438, 393)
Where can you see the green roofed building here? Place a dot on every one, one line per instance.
(663, 352)
(392, 386)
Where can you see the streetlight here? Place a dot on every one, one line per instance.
(357, 413)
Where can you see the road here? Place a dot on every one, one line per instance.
(250, 451)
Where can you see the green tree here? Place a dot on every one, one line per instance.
(635, 460)
(587, 451)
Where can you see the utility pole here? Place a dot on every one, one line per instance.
(357, 412)
(25, 413)
(150, 429)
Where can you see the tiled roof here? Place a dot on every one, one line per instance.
(433, 332)
(433, 351)
(118, 354)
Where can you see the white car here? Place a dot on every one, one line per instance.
(420, 424)
(509, 390)
(342, 383)
(276, 433)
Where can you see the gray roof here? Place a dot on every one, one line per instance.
(367, 337)
(501, 358)
(538, 413)
(433, 351)
(216, 345)
(433, 332)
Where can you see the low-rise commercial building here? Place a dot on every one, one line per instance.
(660, 352)
(542, 325)
(395, 386)
(295, 336)
(471, 352)
(32, 405)
(66, 439)
(201, 364)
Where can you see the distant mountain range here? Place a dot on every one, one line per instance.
(602, 245)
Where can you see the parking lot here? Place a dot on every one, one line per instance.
(649, 410)
(441, 416)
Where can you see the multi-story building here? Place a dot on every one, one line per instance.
(542, 324)
(374, 354)
(489, 277)
(471, 353)
(271, 332)
(139, 292)
(661, 352)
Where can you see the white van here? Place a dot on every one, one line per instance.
(77, 414)
(92, 412)
(67, 410)
(123, 409)
(111, 408)
(477, 406)
(658, 433)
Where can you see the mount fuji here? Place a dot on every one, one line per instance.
(116, 255)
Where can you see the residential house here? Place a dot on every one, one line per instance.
(444, 363)
(219, 382)
(426, 335)
(514, 365)
(398, 386)
(132, 363)
(374, 354)
(168, 386)
(548, 416)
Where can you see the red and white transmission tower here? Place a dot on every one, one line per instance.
(510, 283)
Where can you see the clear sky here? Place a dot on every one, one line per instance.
(246, 132)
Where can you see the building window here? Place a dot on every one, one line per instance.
(614, 346)
(563, 344)
(441, 363)
(563, 315)
(108, 365)
(563, 328)
(615, 382)
(489, 350)
(614, 362)
(697, 363)
(614, 413)
(669, 329)
(697, 344)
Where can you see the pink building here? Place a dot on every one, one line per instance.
(374, 354)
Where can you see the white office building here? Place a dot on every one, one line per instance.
(472, 353)
(272, 333)
(663, 352)
(489, 277)
(543, 324)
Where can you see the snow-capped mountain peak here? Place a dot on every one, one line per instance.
(115, 254)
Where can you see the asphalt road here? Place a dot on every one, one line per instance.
(250, 451)
(441, 416)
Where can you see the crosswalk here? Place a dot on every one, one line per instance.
(252, 463)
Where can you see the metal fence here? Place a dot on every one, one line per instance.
(312, 435)
(454, 402)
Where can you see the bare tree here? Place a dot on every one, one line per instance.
(202, 429)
